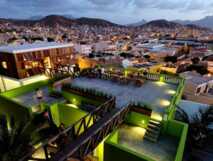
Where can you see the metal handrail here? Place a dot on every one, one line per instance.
(67, 130)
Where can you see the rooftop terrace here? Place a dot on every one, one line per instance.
(29, 99)
(157, 94)
(132, 137)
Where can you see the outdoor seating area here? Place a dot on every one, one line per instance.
(116, 77)
(31, 100)
(155, 94)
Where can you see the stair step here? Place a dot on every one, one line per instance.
(153, 126)
(150, 138)
(152, 135)
(153, 130)
(154, 122)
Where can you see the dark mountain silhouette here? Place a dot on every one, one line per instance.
(204, 22)
(54, 20)
(161, 24)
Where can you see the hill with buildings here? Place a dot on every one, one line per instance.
(54, 20)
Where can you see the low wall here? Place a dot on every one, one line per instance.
(12, 109)
(24, 89)
(137, 119)
(179, 130)
(79, 100)
(116, 152)
(8, 83)
(66, 114)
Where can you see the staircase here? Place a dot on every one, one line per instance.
(153, 130)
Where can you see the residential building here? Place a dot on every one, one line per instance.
(22, 61)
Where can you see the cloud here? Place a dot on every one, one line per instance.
(174, 4)
(102, 2)
(121, 11)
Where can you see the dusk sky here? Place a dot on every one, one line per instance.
(118, 11)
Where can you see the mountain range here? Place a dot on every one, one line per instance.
(204, 22)
(54, 20)
(69, 20)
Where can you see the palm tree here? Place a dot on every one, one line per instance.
(199, 133)
(16, 139)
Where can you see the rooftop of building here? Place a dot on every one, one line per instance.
(157, 94)
(196, 78)
(15, 49)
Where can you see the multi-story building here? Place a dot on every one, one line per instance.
(22, 61)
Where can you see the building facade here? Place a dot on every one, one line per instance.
(24, 61)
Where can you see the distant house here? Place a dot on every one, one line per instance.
(198, 87)
(197, 84)
(22, 61)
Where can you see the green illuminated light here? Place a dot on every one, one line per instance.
(73, 105)
(161, 79)
(159, 83)
(125, 73)
(75, 101)
(143, 122)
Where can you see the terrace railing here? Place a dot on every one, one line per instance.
(91, 140)
(175, 99)
(154, 77)
(73, 132)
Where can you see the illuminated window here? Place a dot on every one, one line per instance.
(4, 64)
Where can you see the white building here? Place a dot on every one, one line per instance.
(103, 46)
(83, 48)
(197, 84)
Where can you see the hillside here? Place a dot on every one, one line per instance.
(161, 24)
(54, 20)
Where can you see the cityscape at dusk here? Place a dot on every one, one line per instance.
(106, 80)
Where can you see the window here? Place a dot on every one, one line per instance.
(198, 90)
(4, 64)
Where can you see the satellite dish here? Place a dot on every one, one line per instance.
(126, 63)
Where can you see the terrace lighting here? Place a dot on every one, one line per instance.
(172, 92)
(125, 73)
(139, 131)
(73, 105)
(143, 122)
(164, 103)
(161, 79)
(39, 153)
(156, 116)
(159, 83)
(75, 101)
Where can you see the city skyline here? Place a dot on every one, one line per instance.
(120, 12)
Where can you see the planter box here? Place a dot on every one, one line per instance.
(141, 110)
(87, 95)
